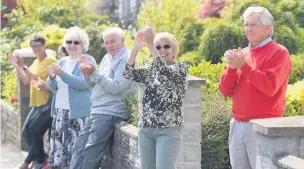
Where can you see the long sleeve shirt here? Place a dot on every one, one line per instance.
(258, 88)
(110, 88)
(165, 87)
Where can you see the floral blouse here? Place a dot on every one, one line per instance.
(165, 87)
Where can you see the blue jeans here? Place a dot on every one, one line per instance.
(159, 147)
(37, 122)
(93, 142)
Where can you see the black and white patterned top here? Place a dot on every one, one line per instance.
(165, 87)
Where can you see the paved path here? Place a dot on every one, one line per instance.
(11, 157)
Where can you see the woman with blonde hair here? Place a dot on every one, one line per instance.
(161, 118)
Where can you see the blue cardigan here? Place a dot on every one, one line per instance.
(79, 92)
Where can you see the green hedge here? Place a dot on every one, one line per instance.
(220, 37)
(297, 73)
(189, 32)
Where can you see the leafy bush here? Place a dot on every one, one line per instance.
(53, 37)
(295, 7)
(215, 131)
(189, 32)
(191, 58)
(65, 13)
(297, 73)
(295, 99)
(9, 87)
(164, 15)
(219, 38)
(132, 104)
(286, 37)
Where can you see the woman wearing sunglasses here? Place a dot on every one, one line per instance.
(71, 103)
(161, 118)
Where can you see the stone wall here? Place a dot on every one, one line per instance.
(280, 142)
(10, 125)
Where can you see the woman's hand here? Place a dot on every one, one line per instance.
(148, 35)
(86, 68)
(139, 41)
(54, 69)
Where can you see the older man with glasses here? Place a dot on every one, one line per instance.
(38, 120)
(256, 78)
(109, 92)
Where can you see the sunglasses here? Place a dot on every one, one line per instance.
(158, 47)
(74, 42)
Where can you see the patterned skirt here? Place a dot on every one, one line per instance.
(63, 136)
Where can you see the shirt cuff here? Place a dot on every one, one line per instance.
(94, 77)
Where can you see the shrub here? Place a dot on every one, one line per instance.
(295, 7)
(132, 104)
(215, 131)
(297, 73)
(164, 15)
(9, 87)
(189, 31)
(191, 58)
(219, 38)
(53, 37)
(295, 99)
(285, 36)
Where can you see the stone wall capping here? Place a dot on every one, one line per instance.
(128, 129)
(195, 81)
(291, 162)
(283, 126)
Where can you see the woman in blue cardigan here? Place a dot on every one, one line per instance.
(71, 103)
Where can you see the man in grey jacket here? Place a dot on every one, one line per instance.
(109, 93)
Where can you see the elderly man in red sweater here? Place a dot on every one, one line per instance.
(256, 78)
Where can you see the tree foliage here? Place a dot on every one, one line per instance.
(166, 14)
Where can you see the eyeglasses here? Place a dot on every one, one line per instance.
(74, 42)
(36, 46)
(158, 47)
(253, 25)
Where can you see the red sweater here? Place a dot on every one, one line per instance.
(258, 88)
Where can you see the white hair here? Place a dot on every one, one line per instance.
(114, 30)
(79, 33)
(266, 17)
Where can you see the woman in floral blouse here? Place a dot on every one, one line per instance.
(161, 118)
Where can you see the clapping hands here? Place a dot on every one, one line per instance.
(86, 67)
(236, 58)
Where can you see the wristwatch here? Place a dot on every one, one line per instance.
(25, 67)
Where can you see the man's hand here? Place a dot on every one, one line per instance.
(40, 85)
(16, 60)
(235, 58)
(54, 69)
(86, 68)
(20, 61)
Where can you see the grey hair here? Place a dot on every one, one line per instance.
(81, 34)
(114, 30)
(266, 17)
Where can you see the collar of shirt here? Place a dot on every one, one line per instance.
(263, 43)
(121, 51)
